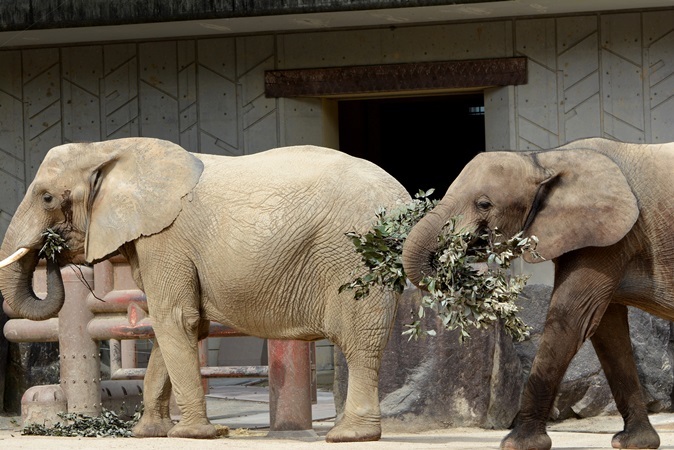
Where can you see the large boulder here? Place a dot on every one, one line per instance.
(437, 382)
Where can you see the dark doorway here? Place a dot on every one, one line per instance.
(424, 142)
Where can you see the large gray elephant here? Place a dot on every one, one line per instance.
(603, 212)
(254, 242)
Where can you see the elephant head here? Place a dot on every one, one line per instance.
(568, 199)
(97, 197)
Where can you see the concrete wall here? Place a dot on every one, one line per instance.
(595, 75)
(606, 75)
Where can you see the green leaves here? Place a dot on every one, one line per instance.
(53, 245)
(381, 248)
(108, 424)
(465, 294)
(473, 286)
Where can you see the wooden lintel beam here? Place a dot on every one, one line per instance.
(334, 81)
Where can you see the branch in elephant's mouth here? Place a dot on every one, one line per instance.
(53, 245)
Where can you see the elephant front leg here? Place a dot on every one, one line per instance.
(156, 420)
(177, 331)
(578, 303)
(612, 344)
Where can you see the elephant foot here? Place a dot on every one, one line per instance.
(644, 437)
(351, 431)
(152, 427)
(529, 441)
(204, 430)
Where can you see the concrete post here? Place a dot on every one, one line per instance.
(290, 389)
(80, 358)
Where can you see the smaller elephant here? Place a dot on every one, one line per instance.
(603, 212)
(255, 242)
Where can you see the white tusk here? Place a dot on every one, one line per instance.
(17, 255)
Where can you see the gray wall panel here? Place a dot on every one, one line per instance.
(590, 75)
(81, 67)
(119, 88)
(41, 105)
(659, 39)
(159, 115)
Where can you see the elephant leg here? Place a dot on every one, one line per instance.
(612, 343)
(156, 420)
(177, 336)
(363, 349)
(361, 420)
(580, 296)
(173, 302)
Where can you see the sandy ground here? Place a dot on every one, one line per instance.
(245, 411)
(573, 434)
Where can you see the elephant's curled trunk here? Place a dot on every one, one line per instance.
(420, 247)
(16, 285)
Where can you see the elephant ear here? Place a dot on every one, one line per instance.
(136, 191)
(587, 202)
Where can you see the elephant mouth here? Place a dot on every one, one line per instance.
(71, 248)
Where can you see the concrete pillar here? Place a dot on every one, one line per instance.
(290, 389)
(80, 358)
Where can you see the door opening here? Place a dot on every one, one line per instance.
(424, 142)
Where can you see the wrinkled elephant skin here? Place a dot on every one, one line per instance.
(603, 212)
(255, 242)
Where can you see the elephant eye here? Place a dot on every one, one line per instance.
(47, 197)
(483, 205)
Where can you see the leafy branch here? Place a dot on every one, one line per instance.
(381, 248)
(108, 424)
(53, 245)
(472, 286)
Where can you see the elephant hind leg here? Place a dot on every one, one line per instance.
(612, 344)
(361, 420)
(362, 349)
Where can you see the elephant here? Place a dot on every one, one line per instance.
(255, 242)
(603, 213)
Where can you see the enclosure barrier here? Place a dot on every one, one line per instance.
(116, 310)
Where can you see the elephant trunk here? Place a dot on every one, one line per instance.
(420, 247)
(16, 282)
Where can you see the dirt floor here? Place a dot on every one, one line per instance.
(572, 434)
(243, 410)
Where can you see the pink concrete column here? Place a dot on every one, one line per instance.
(80, 359)
(290, 388)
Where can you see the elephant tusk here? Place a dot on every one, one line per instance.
(17, 255)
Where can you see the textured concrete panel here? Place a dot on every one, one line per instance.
(536, 39)
(159, 115)
(578, 61)
(537, 108)
(11, 130)
(583, 120)
(622, 97)
(259, 120)
(42, 105)
(187, 95)
(218, 56)
(120, 91)
(659, 38)
(217, 114)
(82, 69)
(622, 77)
(621, 34)
(572, 30)
(436, 43)
(10, 73)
